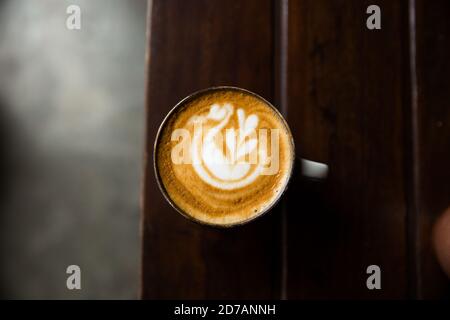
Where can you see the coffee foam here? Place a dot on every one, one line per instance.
(231, 175)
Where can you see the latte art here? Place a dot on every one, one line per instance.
(223, 156)
(227, 158)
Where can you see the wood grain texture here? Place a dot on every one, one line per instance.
(433, 137)
(195, 45)
(371, 104)
(346, 101)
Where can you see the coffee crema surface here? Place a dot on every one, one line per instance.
(223, 156)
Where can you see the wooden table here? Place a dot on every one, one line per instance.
(373, 104)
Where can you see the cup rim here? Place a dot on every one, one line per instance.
(158, 178)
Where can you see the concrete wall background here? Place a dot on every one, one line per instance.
(71, 139)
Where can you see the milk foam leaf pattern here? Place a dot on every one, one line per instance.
(230, 170)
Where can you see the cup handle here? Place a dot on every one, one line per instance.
(314, 170)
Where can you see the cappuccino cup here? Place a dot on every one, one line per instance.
(224, 156)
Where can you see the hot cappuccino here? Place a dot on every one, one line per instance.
(223, 156)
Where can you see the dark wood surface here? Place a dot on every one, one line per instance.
(362, 101)
(346, 95)
(432, 140)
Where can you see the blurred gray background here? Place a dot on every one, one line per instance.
(71, 141)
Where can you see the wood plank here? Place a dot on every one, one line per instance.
(194, 45)
(347, 93)
(433, 137)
